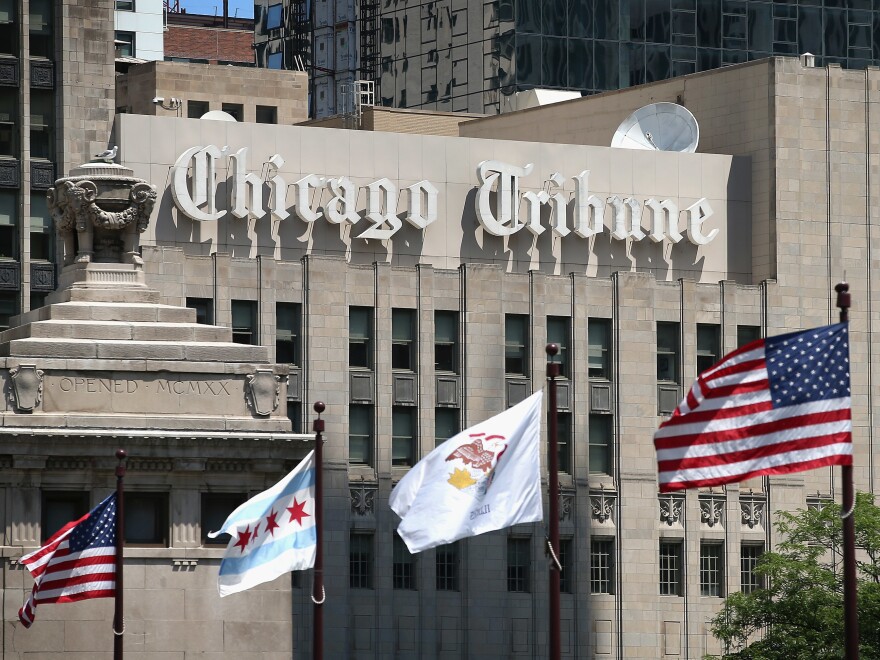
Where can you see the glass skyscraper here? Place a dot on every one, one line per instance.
(456, 55)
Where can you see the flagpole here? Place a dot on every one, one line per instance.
(118, 619)
(553, 467)
(318, 595)
(850, 586)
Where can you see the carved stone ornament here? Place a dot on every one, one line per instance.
(566, 505)
(100, 212)
(262, 391)
(362, 500)
(752, 509)
(712, 510)
(670, 509)
(602, 506)
(27, 386)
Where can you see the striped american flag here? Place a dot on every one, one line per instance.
(774, 406)
(78, 562)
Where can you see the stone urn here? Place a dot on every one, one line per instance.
(100, 211)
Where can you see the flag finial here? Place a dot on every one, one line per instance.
(843, 300)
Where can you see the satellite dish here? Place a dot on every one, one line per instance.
(659, 127)
(217, 115)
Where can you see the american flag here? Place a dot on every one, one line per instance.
(77, 563)
(774, 406)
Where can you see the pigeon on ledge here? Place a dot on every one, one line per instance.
(108, 155)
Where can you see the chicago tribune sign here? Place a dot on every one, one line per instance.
(194, 190)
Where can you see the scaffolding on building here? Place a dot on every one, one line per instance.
(354, 96)
(369, 41)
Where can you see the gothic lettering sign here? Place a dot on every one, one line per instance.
(564, 206)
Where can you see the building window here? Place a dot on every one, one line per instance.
(566, 559)
(403, 571)
(288, 324)
(600, 448)
(559, 333)
(403, 334)
(708, 346)
(42, 233)
(124, 5)
(601, 566)
(403, 436)
(711, 568)
(446, 342)
(60, 508)
(518, 563)
(125, 46)
(750, 579)
(43, 124)
(215, 509)
(746, 334)
(599, 348)
(8, 225)
(8, 27)
(360, 560)
(447, 423)
(41, 22)
(204, 309)
(294, 414)
(360, 435)
(360, 337)
(670, 568)
(146, 519)
(667, 352)
(275, 60)
(516, 344)
(447, 567)
(195, 109)
(563, 441)
(244, 322)
(8, 308)
(9, 123)
(267, 114)
(273, 17)
(234, 109)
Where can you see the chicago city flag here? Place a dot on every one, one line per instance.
(76, 563)
(774, 406)
(483, 479)
(272, 533)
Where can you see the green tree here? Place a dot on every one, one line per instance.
(799, 612)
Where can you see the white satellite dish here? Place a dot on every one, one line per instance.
(217, 115)
(659, 127)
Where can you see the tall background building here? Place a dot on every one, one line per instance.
(56, 109)
(453, 55)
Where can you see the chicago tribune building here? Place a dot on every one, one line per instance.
(411, 281)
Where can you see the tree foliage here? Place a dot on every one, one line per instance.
(799, 612)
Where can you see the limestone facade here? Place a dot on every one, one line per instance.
(784, 164)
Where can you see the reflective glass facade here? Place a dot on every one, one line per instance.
(451, 55)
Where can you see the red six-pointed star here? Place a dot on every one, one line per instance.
(298, 511)
(243, 538)
(271, 524)
(256, 531)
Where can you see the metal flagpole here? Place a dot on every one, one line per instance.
(318, 595)
(553, 467)
(118, 619)
(850, 599)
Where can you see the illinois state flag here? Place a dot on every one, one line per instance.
(483, 479)
(774, 406)
(272, 533)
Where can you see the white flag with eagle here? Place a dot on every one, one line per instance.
(485, 478)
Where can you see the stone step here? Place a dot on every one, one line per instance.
(99, 311)
(119, 330)
(37, 348)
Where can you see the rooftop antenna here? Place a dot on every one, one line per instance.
(659, 127)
